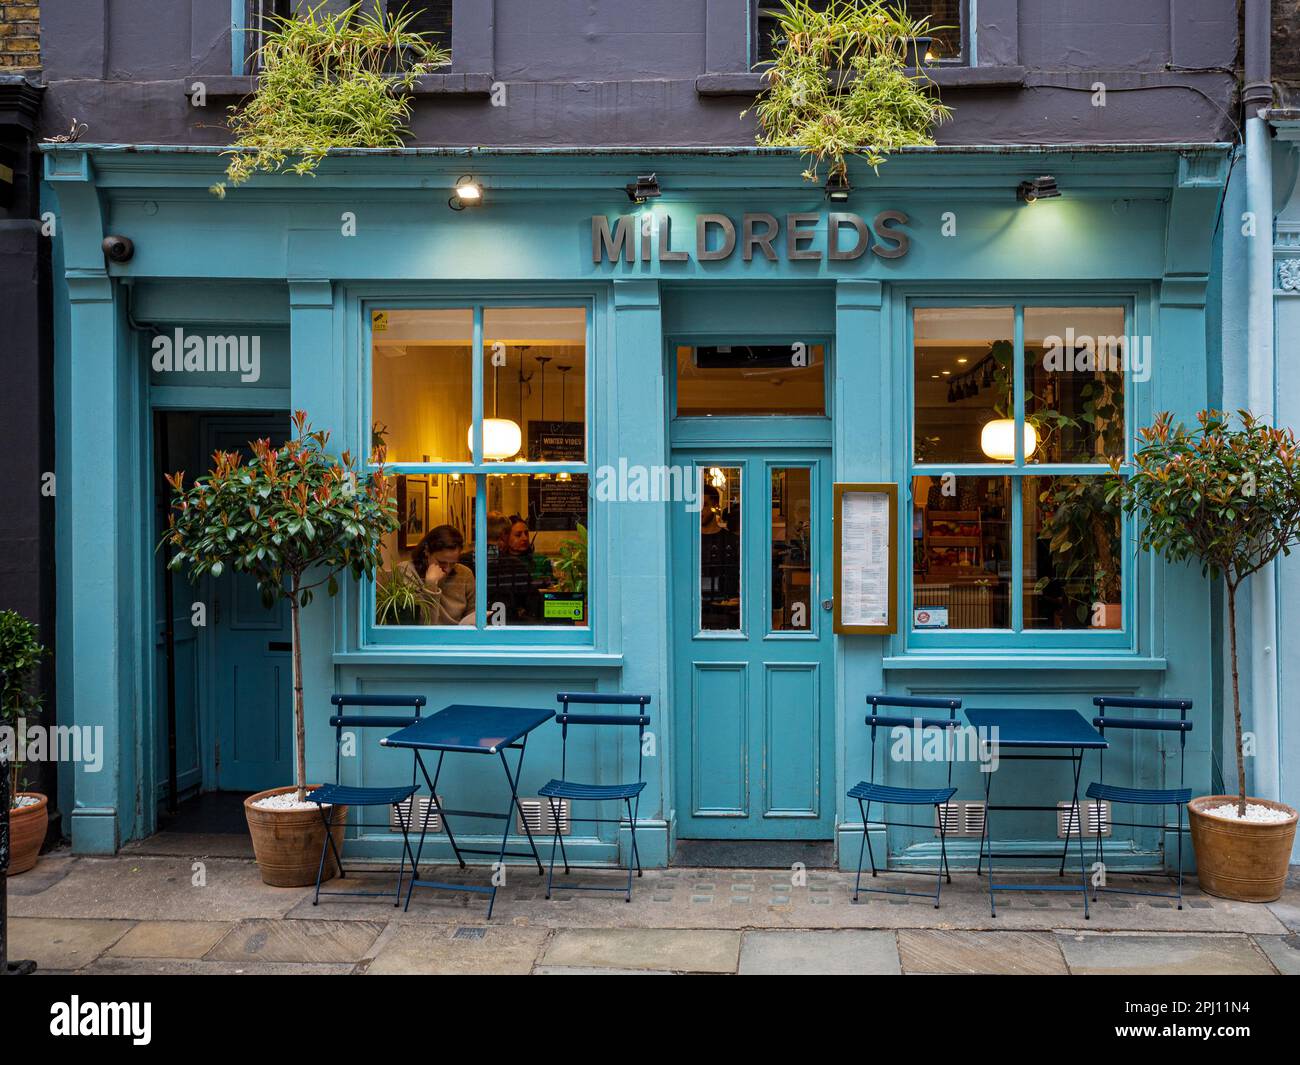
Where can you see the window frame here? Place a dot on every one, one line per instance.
(752, 38)
(482, 637)
(1136, 571)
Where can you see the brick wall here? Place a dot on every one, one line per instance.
(20, 36)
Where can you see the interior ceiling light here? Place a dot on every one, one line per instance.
(644, 188)
(1041, 188)
(469, 193)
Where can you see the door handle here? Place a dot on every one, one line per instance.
(828, 604)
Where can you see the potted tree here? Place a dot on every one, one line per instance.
(20, 654)
(293, 518)
(1230, 500)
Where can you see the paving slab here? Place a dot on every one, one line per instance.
(1282, 951)
(500, 949)
(577, 970)
(845, 952)
(60, 942)
(151, 889)
(201, 967)
(193, 845)
(297, 941)
(1166, 955)
(48, 871)
(672, 949)
(170, 939)
(980, 953)
(1287, 909)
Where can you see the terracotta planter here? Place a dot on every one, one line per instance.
(1112, 616)
(287, 843)
(27, 825)
(1241, 860)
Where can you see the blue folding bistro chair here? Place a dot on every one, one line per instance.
(1162, 797)
(329, 797)
(629, 794)
(868, 791)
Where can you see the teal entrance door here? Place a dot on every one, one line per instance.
(753, 688)
(250, 668)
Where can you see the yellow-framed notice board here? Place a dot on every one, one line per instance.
(866, 558)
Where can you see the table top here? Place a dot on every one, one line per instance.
(1030, 727)
(472, 729)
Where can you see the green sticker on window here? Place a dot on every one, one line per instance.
(563, 608)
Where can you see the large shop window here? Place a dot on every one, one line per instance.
(1016, 413)
(491, 462)
(947, 27)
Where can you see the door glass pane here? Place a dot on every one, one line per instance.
(537, 549)
(792, 540)
(963, 383)
(1073, 554)
(421, 375)
(534, 384)
(1076, 360)
(961, 552)
(427, 575)
(720, 549)
(747, 379)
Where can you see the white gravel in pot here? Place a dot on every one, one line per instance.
(25, 800)
(286, 800)
(1255, 812)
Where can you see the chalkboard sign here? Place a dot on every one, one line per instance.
(866, 558)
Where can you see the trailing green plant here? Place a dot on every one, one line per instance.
(21, 652)
(399, 600)
(570, 564)
(1226, 498)
(1082, 529)
(293, 518)
(839, 84)
(328, 80)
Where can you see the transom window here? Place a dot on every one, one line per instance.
(491, 463)
(1017, 411)
(947, 33)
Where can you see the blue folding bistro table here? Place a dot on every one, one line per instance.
(1063, 730)
(465, 729)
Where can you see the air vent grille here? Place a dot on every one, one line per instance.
(1096, 819)
(961, 818)
(416, 820)
(540, 819)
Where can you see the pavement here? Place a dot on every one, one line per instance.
(206, 912)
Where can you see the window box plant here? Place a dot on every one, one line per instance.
(20, 654)
(293, 518)
(1230, 500)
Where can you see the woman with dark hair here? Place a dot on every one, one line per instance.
(447, 586)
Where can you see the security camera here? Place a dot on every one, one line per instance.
(119, 249)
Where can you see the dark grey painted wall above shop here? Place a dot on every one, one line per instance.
(666, 72)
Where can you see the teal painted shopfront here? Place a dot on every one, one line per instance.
(626, 421)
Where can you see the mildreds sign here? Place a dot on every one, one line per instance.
(848, 236)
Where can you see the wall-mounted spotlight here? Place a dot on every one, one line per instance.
(644, 188)
(469, 193)
(1042, 188)
(838, 187)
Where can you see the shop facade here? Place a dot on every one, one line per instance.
(665, 394)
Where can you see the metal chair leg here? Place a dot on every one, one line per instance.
(943, 859)
(857, 883)
(1180, 855)
(632, 828)
(867, 836)
(320, 869)
(555, 824)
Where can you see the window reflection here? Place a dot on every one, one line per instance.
(1073, 554)
(791, 548)
(961, 552)
(720, 558)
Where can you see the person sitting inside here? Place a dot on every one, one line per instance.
(447, 586)
(512, 572)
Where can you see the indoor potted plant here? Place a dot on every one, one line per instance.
(293, 518)
(20, 654)
(1229, 499)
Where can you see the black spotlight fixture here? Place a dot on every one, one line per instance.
(644, 188)
(838, 187)
(468, 193)
(1041, 188)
